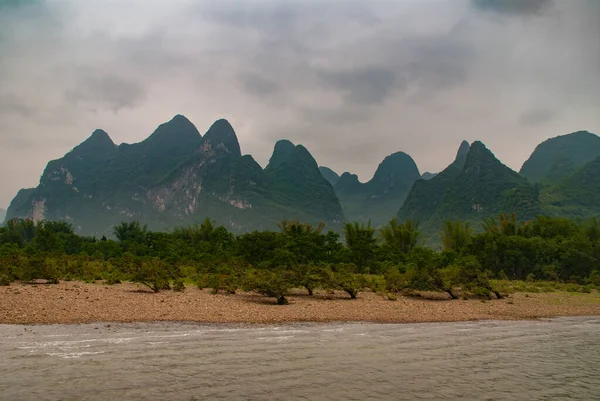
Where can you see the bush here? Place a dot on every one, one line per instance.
(153, 273)
(394, 280)
(346, 280)
(178, 285)
(273, 284)
(5, 279)
(39, 268)
(312, 277)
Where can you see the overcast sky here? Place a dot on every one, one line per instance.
(353, 81)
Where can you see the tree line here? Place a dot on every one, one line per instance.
(389, 259)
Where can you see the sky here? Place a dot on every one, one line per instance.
(353, 81)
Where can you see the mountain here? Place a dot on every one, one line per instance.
(176, 177)
(282, 150)
(329, 175)
(576, 196)
(297, 183)
(427, 175)
(472, 188)
(486, 187)
(379, 199)
(2, 215)
(558, 158)
(425, 195)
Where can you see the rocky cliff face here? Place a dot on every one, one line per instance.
(177, 177)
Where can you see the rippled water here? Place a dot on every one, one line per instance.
(542, 360)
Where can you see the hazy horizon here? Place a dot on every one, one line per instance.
(353, 81)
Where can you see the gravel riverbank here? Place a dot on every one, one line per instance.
(77, 302)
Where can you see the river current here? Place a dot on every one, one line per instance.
(536, 360)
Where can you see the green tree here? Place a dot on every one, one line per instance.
(401, 237)
(361, 242)
(131, 231)
(153, 273)
(456, 235)
(273, 284)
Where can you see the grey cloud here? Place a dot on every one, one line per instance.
(369, 85)
(352, 80)
(513, 7)
(537, 116)
(10, 104)
(338, 116)
(109, 91)
(258, 86)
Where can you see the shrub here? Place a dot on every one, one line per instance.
(5, 279)
(394, 280)
(346, 280)
(152, 273)
(178, 285)
(273, 284)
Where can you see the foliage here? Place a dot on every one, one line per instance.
(559, 252)
(154, 273)
(273, 284)
(401, 237)
(361, 243)
(456, 235)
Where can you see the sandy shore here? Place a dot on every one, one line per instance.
(77, 302)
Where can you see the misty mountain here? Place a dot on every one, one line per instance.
(427, 175)
(558, 158)
(475, 186)
(379, 199)
(576, 196)
(425, 195)
(177, 177)
(329, 175)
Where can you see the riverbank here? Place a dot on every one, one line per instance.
(78, 302)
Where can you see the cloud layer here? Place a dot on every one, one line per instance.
(351, 80)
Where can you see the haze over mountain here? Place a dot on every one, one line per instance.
(351, 81)
(2, 215)
(557, 158)
(379, 198)
(576, 196)
(427, 175)
(425, 195)
(176, 177)
(329, 175)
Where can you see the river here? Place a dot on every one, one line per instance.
(534, 360)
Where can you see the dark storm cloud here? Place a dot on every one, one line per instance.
(515, 7)
(106, 91)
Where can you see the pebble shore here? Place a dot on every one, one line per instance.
(78, 302)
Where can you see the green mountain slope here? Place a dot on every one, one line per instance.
(297, 185)
(427, 175)
(472, 188)
(379, 199)
(177, 177)
(576, 196)
(486, 187)
(329, 175)
(558, 158)
(425, 195)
